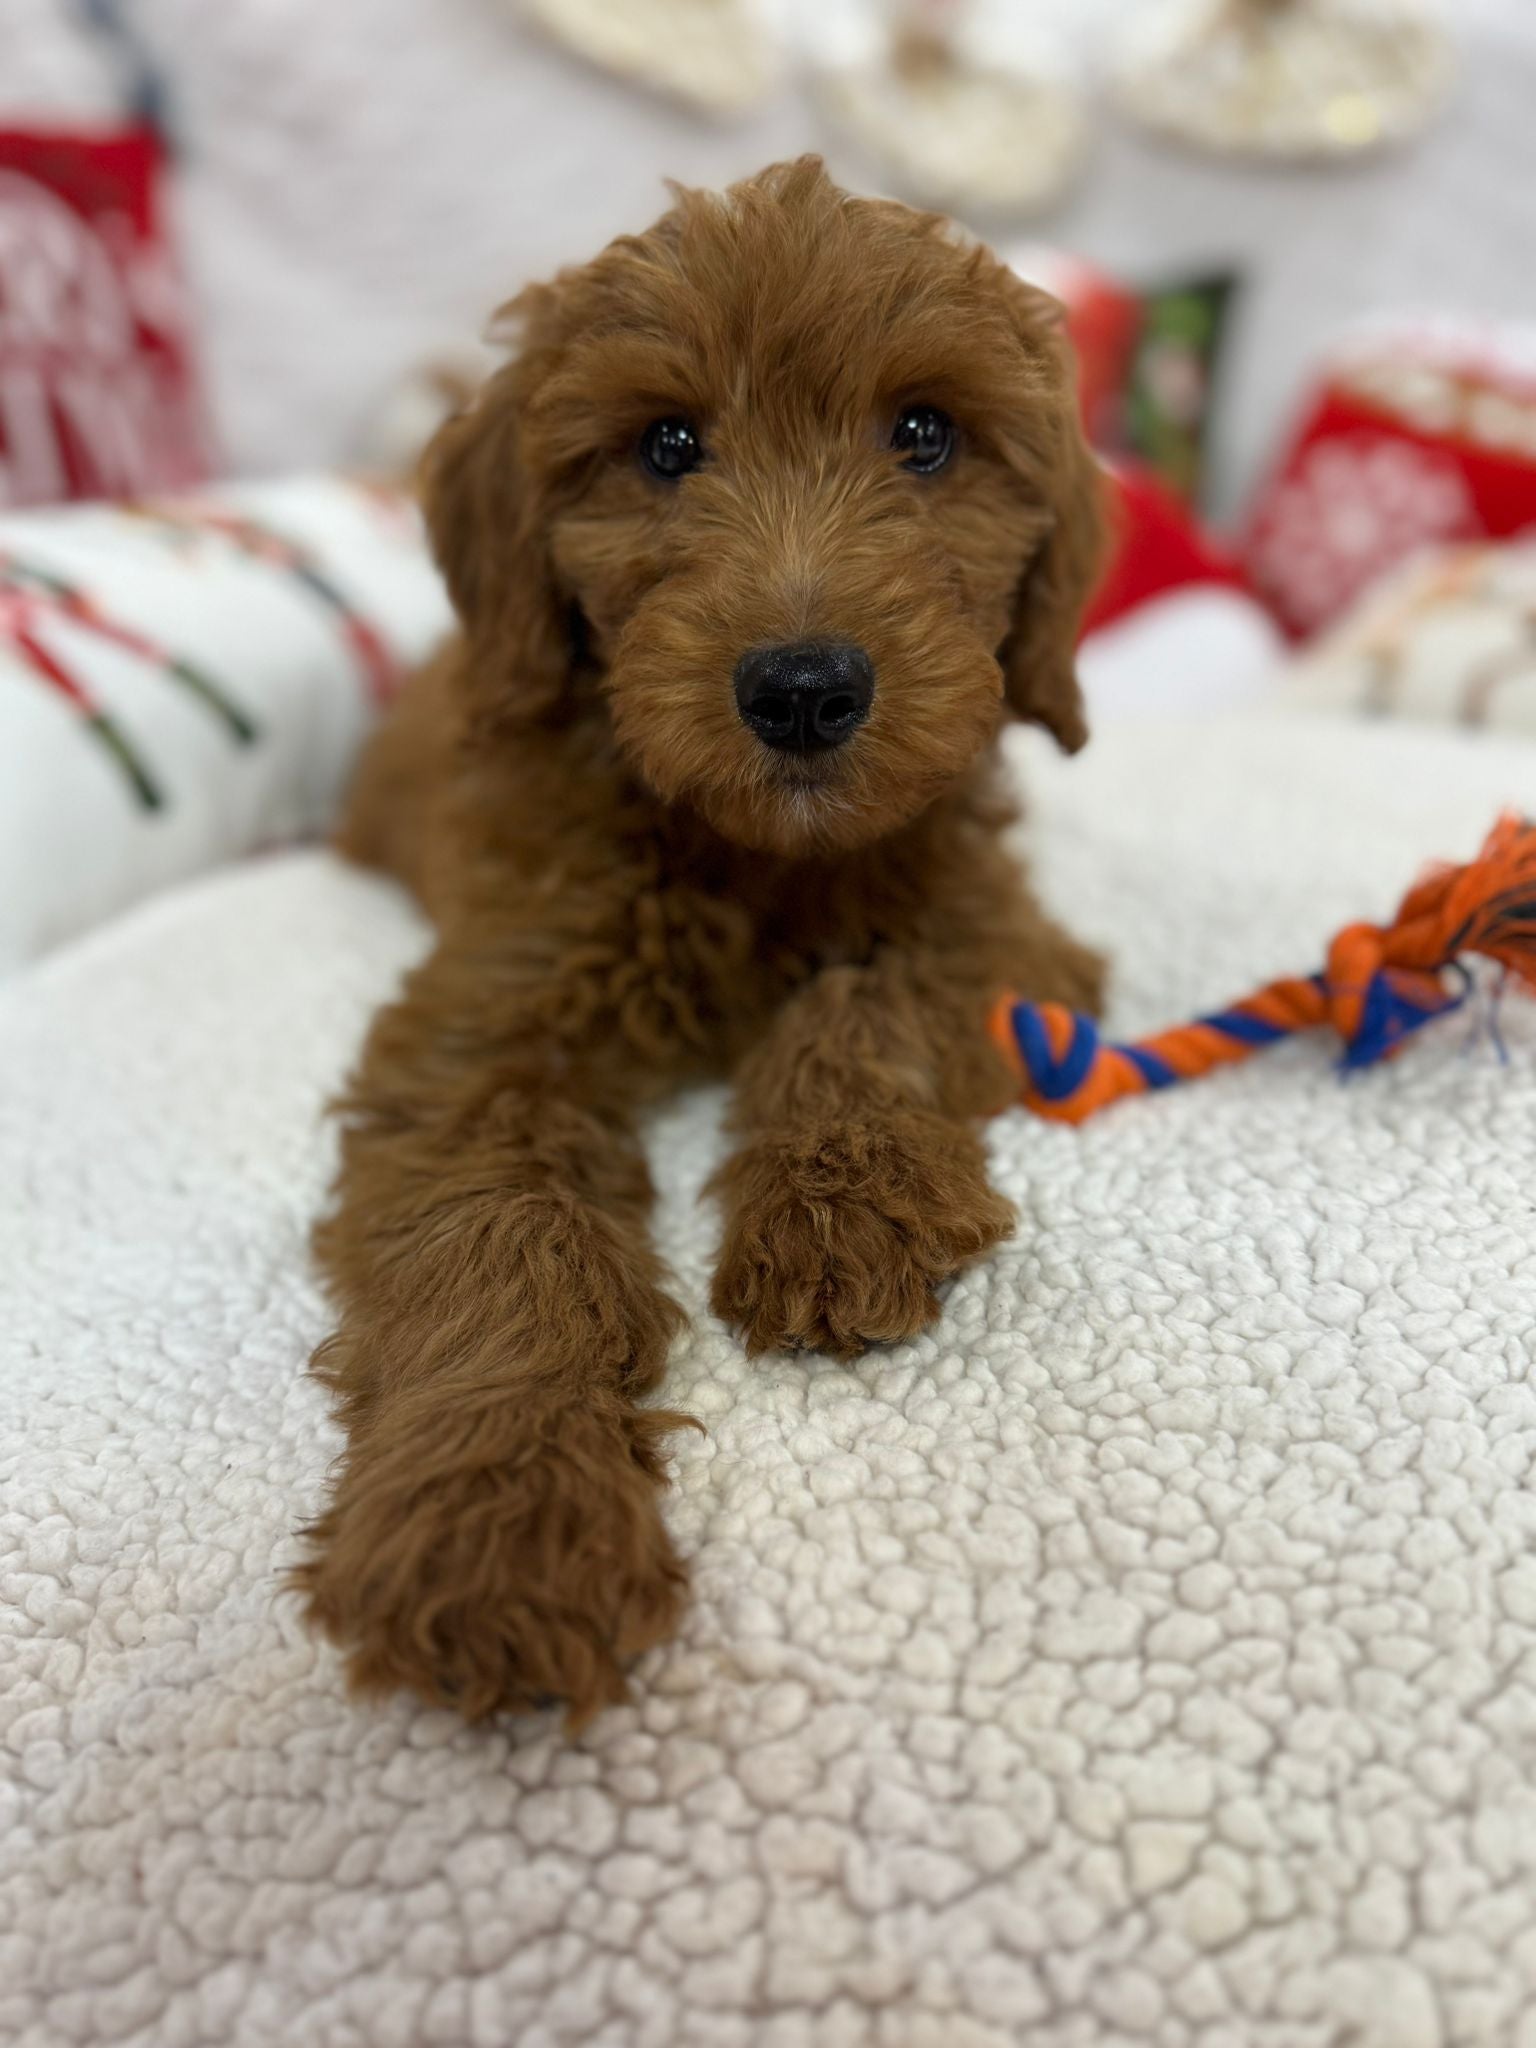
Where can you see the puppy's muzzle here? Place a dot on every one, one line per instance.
(806, 699)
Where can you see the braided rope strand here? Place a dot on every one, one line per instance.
(1380, 985)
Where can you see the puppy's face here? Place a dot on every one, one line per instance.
(805, 477)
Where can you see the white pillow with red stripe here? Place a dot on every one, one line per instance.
(186, 680)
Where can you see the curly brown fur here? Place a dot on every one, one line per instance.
(631, 890)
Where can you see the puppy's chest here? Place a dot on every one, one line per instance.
(695, 965)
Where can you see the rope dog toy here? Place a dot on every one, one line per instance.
(1381, 984)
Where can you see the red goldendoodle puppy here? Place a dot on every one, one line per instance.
(778, 510)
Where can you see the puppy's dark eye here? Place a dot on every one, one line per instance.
(925, 436)
(670, 448)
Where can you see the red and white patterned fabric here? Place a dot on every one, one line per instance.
(185, 680)
(1415, 436)
(98, 391)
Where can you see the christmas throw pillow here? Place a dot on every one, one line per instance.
(184, 680)
(1414, 436)
(1449, 638)
(98, 392)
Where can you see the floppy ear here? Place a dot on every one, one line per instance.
(486, 518)
(1039, 656)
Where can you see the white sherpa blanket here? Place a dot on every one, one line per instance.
(1146, 1655)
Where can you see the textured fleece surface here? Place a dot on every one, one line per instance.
(1147, 1654)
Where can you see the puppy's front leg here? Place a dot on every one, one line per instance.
(860, 1182)
(493, 1536)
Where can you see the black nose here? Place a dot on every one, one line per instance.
(804, 699)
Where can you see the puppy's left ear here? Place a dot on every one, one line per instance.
(1039, 657)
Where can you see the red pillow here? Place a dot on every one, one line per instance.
(1415, 436)
(1156, 545)
(98, 394)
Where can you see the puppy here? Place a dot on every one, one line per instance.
(777, 512)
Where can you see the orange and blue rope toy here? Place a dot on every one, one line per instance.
(1381, 983)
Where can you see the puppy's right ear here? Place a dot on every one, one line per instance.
(484, 514)
(1039, 659)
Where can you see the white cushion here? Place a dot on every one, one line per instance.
(1147, 1653)
(1197, 647)
(119, 772)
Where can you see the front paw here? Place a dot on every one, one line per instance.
(838, 1238)
(482, 1574)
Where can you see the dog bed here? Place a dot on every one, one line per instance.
(1146, 1654)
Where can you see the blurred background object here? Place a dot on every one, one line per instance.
(1449, 637)
(187, 681)
(1286, 79)
(963, 112)
(718, 57)
(99, 393)
(353, 188)
(1416, 432)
